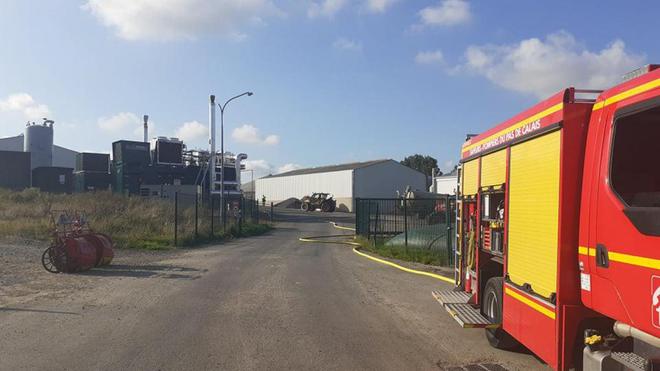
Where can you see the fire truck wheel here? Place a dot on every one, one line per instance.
(492, 308)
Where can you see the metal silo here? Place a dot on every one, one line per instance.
(39, 142)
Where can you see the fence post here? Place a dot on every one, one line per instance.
(357, 216)
(223, 212)
(255, 216)
(378, 223)
(212, 216)
(449, 229)
(272, 218)
(369, 222)
(176, 218)
(240, 215)
(405, 220)
(196, 215)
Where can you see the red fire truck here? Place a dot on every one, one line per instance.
(558, 221)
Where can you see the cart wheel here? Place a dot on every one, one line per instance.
(305, 206)
(53, 260)
(325, 207)
(492, 309)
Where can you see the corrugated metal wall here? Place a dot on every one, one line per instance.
(339, 183)
(380, 180)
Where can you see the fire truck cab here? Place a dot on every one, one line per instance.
(558, 229)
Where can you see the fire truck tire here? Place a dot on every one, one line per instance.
(492, 308)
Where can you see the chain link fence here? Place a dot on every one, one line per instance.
(198, 219)
(411, 225)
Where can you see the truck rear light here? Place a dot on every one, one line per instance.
(640, 71)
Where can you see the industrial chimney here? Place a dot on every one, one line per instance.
(146, 128)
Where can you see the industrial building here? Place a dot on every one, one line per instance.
(154, 169)
(445, 184)
(346, 182)
(62, 157)
(32, 160)
(143, 167)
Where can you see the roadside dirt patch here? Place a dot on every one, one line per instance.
(23, 279)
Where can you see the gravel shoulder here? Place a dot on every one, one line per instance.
(24, 280)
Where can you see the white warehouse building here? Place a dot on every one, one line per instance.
(346, 182)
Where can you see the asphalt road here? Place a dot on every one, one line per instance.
(268, 302)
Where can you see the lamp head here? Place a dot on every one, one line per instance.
(250, 94)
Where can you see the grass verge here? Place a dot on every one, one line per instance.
(132, 222)
(417, 255)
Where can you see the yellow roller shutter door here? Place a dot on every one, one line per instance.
(493, 169)
(470, 177)
(534, 213)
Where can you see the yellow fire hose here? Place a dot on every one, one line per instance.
(356, 249)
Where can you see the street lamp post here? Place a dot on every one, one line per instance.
(222, 153)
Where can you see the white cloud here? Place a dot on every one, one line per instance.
(192, 131)
(272, 139)
(446, 13)
(288, 167)
(125, 123)
(258, 166)
(345, 44)
(250, 134)
(429, 57)
(379, 6)
(543, 67)
(25, 104)
(325, 8)
(120, 122)
(263, 167)
(161, 20)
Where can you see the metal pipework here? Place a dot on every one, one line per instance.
(624, 330)
(146, 128)
(239, 159)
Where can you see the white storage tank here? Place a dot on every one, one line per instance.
(39, 142)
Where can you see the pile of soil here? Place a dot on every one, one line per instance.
(289, 203)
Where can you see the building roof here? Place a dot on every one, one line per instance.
(452, 173)
(329, 168)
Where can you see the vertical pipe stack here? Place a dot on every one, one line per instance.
(212, 143)
(146, 128)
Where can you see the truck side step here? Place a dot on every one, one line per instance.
(631, 360)
(451, 296)
(456, 303)
(468, 316)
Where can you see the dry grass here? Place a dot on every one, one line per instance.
(131, 221)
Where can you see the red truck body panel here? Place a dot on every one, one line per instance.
(590, 213)
(624, 290)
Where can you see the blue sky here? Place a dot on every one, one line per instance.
(334, 80)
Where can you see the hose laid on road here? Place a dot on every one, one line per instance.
(356, 249)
